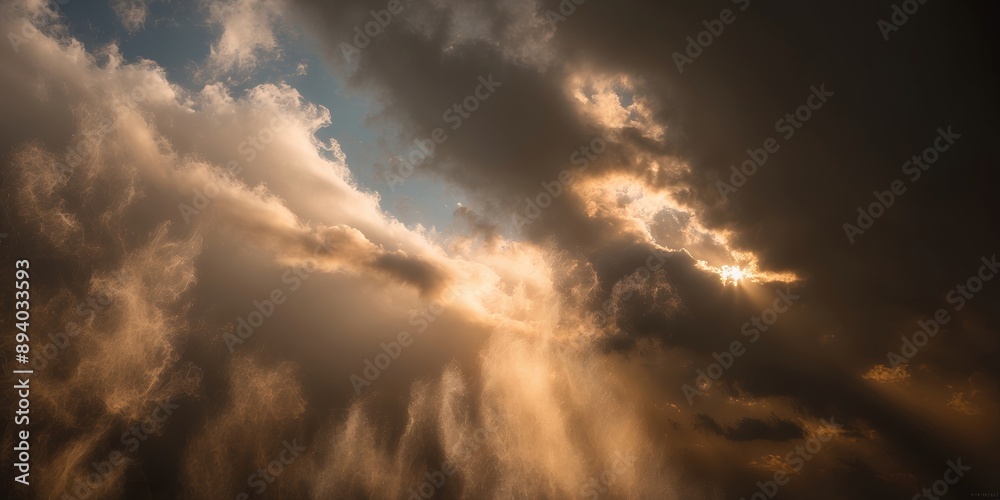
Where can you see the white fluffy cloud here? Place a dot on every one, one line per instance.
(248, 34)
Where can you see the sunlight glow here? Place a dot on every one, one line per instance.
(733, 275)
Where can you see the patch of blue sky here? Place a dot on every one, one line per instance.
(178, 38)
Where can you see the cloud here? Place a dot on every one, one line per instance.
(606, 71)
(191, 211)
(247, 37)
(131, 13)
(748, 429)
(111, 193)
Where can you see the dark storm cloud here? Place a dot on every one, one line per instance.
(749, 429)
(726, 101)
(477, 224)
(410, 270)
(884, 103)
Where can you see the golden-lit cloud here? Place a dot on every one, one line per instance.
(167, 220)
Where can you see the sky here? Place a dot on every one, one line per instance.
(545, 249)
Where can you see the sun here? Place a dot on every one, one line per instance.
(733, 275)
